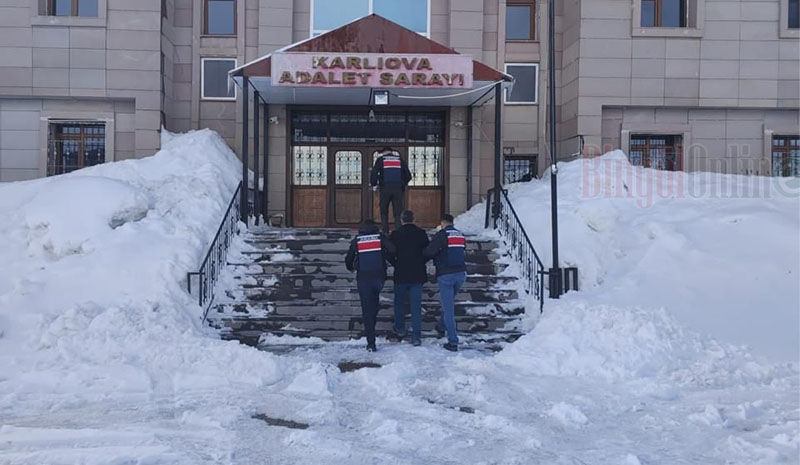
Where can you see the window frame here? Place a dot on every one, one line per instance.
(81, 137)
(784, 150)
(677, 147)
(659, 15)
(695, 10)
(533, 166)
(784, 31)
(51, 9)
(370, 10)
(506, 93)
(203, 80)
(235, 20)
(532, 4)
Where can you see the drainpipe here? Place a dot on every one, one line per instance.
(244, 208)
(498, 121)
(469, 157)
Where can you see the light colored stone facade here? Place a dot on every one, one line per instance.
(730, 80)
(727, 84)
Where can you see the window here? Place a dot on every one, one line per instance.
(214, 79)
(219, 17)
(86, 8)
(526, 77)
(309, 166)
(664, 13)
(519, 168)
(661, 152)
(794, 14)
(786, 156)
(425, 164)
(520, 19)
(73, 146)
(330, 14)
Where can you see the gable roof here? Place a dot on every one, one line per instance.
(369, 34)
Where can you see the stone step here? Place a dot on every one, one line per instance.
(429, 295)
(333, 282)
(354, 325)
(305, 256)
(339, 268)
(317, 308)
(481, 341)
(328, 245)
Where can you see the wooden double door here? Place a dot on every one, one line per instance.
(341, 195)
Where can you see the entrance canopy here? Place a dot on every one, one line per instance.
(369, 56)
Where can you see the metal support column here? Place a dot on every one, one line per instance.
(498, 121)
(469, 157)
(556, 280)
(244, 208)
(256, 171)
(265, 199)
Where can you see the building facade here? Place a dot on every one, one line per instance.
(678, 84)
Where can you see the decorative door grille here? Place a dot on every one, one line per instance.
(348, 167)
(310, 165)
(425, 164)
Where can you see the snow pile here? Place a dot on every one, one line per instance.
(94, 311)
(719, 252)
(575, 338)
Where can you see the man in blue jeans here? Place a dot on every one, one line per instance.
(448, 250)
(367, 256)
(409, 275)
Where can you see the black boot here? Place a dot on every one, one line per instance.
(451, 347)
(371, 347)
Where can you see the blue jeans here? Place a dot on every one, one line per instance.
(449, 285)
(369, 290)
(411, 293)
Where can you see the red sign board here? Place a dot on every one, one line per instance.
(371, 70)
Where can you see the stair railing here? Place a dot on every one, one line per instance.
(217, 255)
(518, 242)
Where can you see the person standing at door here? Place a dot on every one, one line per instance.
(391, 175)
(448, 251)
(409, 274)
(367, 256)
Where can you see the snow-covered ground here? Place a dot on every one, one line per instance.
(103, 359)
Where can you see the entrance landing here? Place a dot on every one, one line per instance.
(293, 290)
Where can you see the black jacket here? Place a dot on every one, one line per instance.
(387, 249)
(409, 263)
(398, 179)
(448, 257)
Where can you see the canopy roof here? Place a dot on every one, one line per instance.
(370, 34)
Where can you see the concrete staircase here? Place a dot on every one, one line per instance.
(294, 283)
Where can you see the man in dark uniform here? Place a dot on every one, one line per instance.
(367, 256)
(409, 275)
(448, 250)
(391, 174)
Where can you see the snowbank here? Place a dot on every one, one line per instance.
(93, 307)
(719, 252)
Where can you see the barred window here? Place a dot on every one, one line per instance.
(661, 152)
(519, 168)
(425, 164)
(310, 165)
(786, 156)
(73, 146)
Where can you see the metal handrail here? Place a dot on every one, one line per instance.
(520, 245)
(217, 255)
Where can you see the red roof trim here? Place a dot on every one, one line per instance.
(371, 34)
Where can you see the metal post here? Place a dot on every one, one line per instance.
(498, 116)
(244, 210)
(256, 171)
(469, 157)
(265, 199)
(556, 282)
